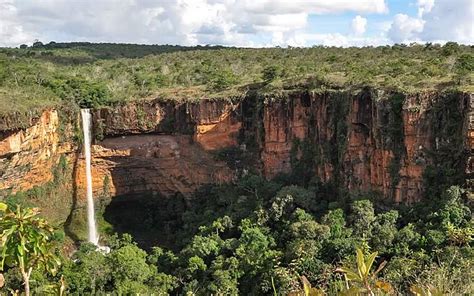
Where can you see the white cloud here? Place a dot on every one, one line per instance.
(334, 39)
(188, 22)
(312, 6)
(424, 6)
(359, 25)
(405, 29)
(228, 22)
(11, 29)
(437, 21)
(449, 20)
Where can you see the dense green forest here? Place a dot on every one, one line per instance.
(102, 74)
(259, 237)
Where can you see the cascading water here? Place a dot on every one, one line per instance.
(86, 127)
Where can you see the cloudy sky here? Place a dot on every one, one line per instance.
(252, 23)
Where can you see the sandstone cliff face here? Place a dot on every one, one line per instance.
(148, 148)
(214, 124)
(161, 148)
(27, 157)
(360, 141)
(151, 164)
(364, 145)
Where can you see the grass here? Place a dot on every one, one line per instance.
(105, 74)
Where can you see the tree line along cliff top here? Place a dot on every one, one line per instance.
(88, 74)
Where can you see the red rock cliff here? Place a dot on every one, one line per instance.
(27, 156)
(361, 141)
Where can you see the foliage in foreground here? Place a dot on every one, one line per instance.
(26, 243)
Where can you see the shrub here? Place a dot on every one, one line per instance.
(271, 73)
(85, 93)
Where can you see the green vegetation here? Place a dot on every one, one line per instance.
(293, 235)
(26, 243)
(257, 237)
(53, 197)
(364, 280)
(91, 75)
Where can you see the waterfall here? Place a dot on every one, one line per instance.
(86, 128)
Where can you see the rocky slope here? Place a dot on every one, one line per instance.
(363, 141)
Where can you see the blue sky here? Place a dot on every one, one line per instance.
(333, 23)
(253, 23)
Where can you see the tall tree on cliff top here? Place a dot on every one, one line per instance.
(26, 242)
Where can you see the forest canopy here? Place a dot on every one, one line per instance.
(258, 237)
(103, 74)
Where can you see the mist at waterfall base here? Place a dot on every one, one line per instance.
(92, 233)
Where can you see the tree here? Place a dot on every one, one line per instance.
(271, 73)
(464, 66)
(255, 253)
(85, 93)
(26, 242)
(38, 43)
(339, 244)
(222, 79)
(304, 242)
(362, 216)
(450, 48)
(89, 273)
(288, 198)
(384, 230)
(130, 269)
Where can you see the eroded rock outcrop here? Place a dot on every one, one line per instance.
(161, 147)
(152, 164)
(27, 157)
(361, 141)
(366, 141)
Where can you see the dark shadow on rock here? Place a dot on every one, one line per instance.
(151, 220)
(68, 223)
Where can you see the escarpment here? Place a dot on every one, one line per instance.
(389, 143)
(369, 140)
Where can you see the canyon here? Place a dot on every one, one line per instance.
(365, 140)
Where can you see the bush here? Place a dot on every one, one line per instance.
(84, 93)
(222, 79)
(464, 66)
(271, 73)
(450, 48)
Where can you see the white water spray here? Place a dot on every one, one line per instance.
(86, 128)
